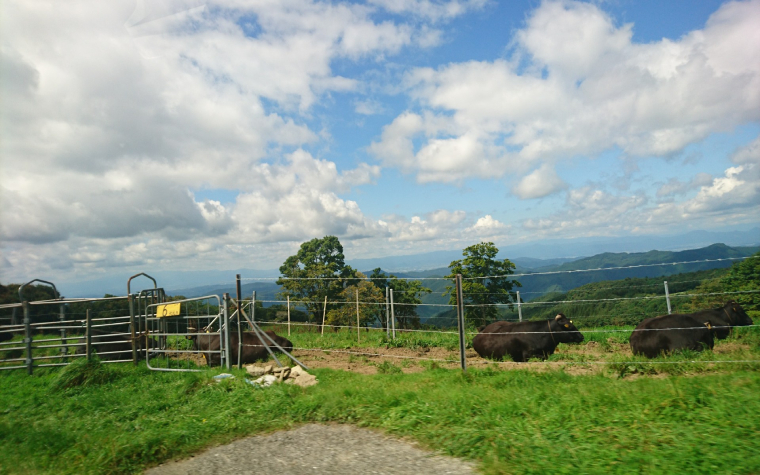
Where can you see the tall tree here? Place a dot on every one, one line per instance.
(317, 271)
(406, 293)
(485, 282)
(371, 304)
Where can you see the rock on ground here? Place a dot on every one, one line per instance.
(314, 448)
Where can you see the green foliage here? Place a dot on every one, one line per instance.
(407, 295)
(628, 301)
(83, 373)
(745, 277)
(321, 265)
(485, 282)
(370, 306)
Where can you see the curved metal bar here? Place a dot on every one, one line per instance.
(155, 284)
(21, 288)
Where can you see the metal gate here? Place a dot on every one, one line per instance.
(185, 334)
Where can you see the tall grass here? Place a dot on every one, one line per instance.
(128, 418)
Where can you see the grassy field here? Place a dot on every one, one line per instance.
(120, 419)
(682, 413)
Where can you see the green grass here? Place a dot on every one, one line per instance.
(92, 418)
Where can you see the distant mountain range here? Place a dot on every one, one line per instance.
(532, 256)
(542, 279)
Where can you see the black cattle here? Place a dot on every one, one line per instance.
(525, 340)
(114, 346)
(722, 319)
(667, 333)
(5, 336)
(253, 349)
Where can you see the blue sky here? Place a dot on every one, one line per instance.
(191, 135)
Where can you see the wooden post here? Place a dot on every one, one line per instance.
(324, 315)
(288, 315)
(667, 297)
(519, 306)
(393, 316)
(358, 335)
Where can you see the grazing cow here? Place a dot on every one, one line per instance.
(253, 349)
(722, 319)
(525, 340)
(114, 346)
(667, 333)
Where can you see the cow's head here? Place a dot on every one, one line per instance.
(565, 331)
(736, 314)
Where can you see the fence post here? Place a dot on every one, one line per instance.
(62, 319)
(225, 327)
(358, 333)
(253, 310)
(132, 324)
(324, 315)
(667, 297)
(288, 315)
(393, 316)
(88, 336)
(239, 317)
(519, 306)
(460, 322)
(28, 337)
(387, 314)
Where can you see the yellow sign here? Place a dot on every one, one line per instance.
(167, 310)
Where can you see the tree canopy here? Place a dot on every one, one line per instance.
(316, 271)
(485, 282)
(406, 296)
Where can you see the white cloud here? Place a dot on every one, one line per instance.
(748, 154)
(675, 187)
(542, 182)
(432, 10)
(578, 85)
(435, 225)
(112, 112)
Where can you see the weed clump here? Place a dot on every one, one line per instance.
(83, 373)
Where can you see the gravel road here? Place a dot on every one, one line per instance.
(314, 448)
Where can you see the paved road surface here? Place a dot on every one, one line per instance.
(314, 448)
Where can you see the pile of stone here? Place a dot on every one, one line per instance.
(267, 375)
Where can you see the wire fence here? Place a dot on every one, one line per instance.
(391, 323)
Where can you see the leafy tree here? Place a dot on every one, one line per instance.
(745, 276)
(369, 312)
(406, 293)
(317, 271)
(485, 282)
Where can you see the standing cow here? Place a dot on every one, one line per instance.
(667, 333)
(253, 348)
(525, 340)
(722, 319)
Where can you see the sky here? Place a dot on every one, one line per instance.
(193, 135)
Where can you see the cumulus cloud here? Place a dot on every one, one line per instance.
(676, 187)
(748, 154)
(542, 182)
(113, 112)
(432, 10)
(577, 84)
(732, 198)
